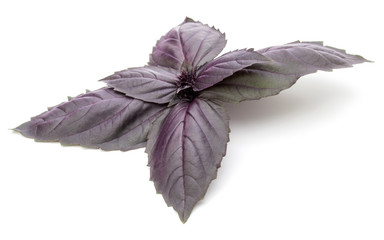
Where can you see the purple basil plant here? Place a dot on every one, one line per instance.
(173, 105)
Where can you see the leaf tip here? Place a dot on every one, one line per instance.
(16, 129)
(25, 129)
(188, 19)
(362, 59)
(183, 215)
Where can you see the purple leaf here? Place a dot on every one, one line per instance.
(185, 148)
(187, 46)
(100, 119)
(289, 63)
(302, 58)
(224, 66)
(150, 84)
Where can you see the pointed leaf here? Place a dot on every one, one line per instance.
(307, 57)
(150, 84)
(189, 45)
(289, 63)
(100, 119)
(185, 149)
(224, 66)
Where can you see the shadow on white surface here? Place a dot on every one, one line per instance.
(314, 98)
(308, 96)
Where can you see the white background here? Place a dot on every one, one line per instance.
(305, 164)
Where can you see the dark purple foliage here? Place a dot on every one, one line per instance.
(173, 106)
(103, 119)
(185, 148)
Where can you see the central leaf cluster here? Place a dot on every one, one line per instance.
(185, 85)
